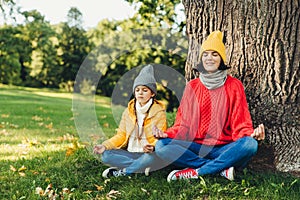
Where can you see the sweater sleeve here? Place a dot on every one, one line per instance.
(160, 120)
(120, 137)
(181, 126)
(241, 122)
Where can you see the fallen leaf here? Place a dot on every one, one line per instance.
(48, 189)
(66, 191)
(70, 151)
(99, 187)
(112, 194)
(23, 168)
(49, 126)
(47, 180)
(39, 191)
(5, 116)
(106, 125)
(12, 168)
(144, 190)
(22, 174)
(3, 132)
(13, 126)
(37, 118)
(102, 116)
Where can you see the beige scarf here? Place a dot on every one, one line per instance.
(137, 140)
(213, 80)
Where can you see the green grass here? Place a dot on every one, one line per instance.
(39, 146)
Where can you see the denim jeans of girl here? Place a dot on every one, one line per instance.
(206, 159)
(133, 162)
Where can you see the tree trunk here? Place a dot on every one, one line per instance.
(262, 41)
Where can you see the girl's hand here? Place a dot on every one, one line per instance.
(259, 132)
(158, 133)
(148, 148)
(99, 149)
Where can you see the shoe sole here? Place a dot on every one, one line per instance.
(231, 178)
(147, 171)
(170, 175)
(105, 172)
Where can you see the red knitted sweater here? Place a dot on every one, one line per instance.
(212, 117)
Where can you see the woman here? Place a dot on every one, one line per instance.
(213, 130)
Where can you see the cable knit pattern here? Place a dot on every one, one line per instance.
(205, 110)
(212, 117)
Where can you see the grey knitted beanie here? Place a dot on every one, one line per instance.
(146, 78)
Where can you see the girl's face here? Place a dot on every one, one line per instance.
(143, 94)
(211, 61)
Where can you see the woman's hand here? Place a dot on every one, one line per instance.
(259, 132)
(99, 149)
(158, 133)
(148, 148)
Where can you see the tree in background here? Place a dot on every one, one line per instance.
(55, 53)
(160, 13)
(41, 36)
(74, 46)
(15, 53)
(126, 45)
(263, 48)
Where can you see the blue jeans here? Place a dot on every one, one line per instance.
(206, 159)
(133, 162)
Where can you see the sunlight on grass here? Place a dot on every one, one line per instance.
(51, 94)
(30, 144)
(29, 151)
(35, 122)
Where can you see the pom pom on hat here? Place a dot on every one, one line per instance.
(214, 42)
(146, 78)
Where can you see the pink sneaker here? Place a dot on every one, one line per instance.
(182, 174)
(228, 173)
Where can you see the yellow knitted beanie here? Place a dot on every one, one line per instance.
(214, 42)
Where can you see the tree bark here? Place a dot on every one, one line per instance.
(262, 41)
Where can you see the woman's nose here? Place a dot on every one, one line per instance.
(209, 56)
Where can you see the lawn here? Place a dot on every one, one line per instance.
(43, 156)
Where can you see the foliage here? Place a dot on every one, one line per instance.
(160, 13)
(75, 47)
(14, 51)
(75, 18)
(43, 63)
(38, 54)
(124, 46)
(42, 158)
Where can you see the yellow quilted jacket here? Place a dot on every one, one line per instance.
(156, 116)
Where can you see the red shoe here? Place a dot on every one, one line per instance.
(188, 173)
(228, 173)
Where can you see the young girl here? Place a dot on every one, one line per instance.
(131, 150)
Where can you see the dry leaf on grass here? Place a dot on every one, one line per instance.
(112, 194)
(5, 116)
(99, 187)
(12, 168)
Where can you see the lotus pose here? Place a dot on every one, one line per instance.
(213, 131)
(131, 150)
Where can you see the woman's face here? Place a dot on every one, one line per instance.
(211, 61)
(143, 94)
